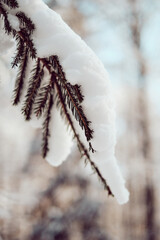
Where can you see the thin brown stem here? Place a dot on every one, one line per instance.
(80, 144)
(85, 122)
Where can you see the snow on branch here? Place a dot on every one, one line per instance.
(67, 83)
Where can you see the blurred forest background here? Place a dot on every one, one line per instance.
(39, 202)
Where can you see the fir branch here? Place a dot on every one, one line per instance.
(72, 100)
(78, 93)
(10, 3)
(82, 148)
(20, 77)
(7, 26)
(41, 100)
(96, 170)
(20, 51)
(77, 111)
(25, 36)
(26, 22)
(34, 85)
(47, 64)
(46, 132)
(91, 148)
(69, 97)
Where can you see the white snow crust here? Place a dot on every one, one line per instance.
(54, 37)
(60, 143)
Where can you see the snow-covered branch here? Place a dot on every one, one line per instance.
(67, 82)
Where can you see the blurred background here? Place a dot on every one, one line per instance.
(39, 202)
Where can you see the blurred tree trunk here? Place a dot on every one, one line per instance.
(144, 123)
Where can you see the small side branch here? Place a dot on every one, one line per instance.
(26, 22)
(46, 132)
(11, 3)
(20, 77)
(41, 100)
(7, 26)
(73, 100)
(34, 85)
(82, 148)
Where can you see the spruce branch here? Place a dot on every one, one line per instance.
(101, 178)
(40, 98)
(34, 84)
(7, 26)
(46, 131)
(83, 150)
(20, 51)
(78, 93)
(72, 100)
(25, 36)
(26, 22)
(10, 3)
(20, 77)
(74, 91)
